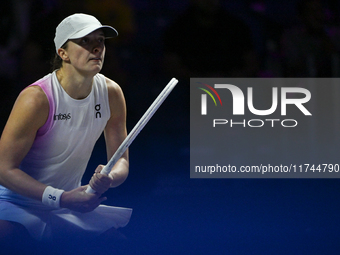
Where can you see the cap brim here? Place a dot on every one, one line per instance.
(109, 32)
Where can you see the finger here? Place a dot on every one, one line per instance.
(82, 188)
(103, 181)
(94, 195)
(99, 168)
(98, 188)
(95, 188)
(95, 181)
(103, 178)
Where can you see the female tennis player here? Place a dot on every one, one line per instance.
(49, 137)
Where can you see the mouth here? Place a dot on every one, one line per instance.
(96, 59)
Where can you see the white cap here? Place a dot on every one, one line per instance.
(79, 25)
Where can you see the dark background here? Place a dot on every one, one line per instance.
(174, 214)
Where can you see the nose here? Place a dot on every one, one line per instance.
(98, 47)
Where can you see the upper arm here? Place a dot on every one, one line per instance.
(115, 130)
(29, 113)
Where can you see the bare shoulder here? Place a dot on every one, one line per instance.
(113, 88)
(33, 96)
(29, 113)
(32, 102)
(116, 98)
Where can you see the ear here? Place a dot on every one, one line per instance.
(63, 54)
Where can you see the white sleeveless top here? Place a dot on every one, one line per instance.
(59, 156)
(63, 146)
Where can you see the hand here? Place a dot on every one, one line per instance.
(80, 201)
(100, 182)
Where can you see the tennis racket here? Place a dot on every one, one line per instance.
(137, 128)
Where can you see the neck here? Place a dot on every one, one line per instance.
(76, 85)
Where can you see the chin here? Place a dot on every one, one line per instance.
(97, 70)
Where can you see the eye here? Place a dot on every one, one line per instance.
(84, 40)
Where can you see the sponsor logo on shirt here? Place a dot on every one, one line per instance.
(98, 113)
(62, 116)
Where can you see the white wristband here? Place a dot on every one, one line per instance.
(51, 197)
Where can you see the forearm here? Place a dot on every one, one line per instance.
(119, 172)
(21, 183)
